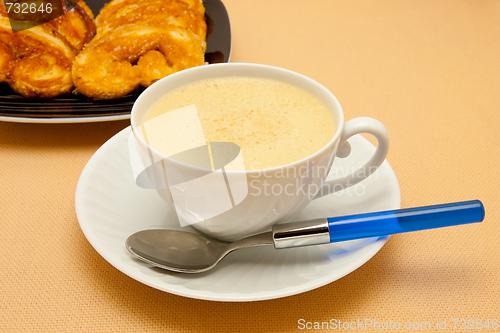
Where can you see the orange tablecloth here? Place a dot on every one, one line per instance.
(428, 69)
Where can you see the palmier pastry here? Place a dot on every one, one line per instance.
(138, 43)
(36, 62)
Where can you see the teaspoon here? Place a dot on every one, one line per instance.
(187, 252)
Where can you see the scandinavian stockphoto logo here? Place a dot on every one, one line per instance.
(194, 170)
(26, 14)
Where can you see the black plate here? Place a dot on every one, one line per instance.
(78, 108)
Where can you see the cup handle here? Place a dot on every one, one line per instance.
(352, 127)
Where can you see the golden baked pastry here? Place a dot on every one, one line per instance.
(180, 13)
(37, 62)
(77, 25)
(139, 42)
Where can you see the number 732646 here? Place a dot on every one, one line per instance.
(28, 7)
(475, 324)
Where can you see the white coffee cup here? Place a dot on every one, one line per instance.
(258, 198)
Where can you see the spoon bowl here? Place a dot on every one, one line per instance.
(185, 252)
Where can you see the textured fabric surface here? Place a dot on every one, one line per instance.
(428, 69)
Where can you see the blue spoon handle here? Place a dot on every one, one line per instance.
(343, 228)
(404, 220)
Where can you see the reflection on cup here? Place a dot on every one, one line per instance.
(204, 189)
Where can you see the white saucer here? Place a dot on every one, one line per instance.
(110, 207)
